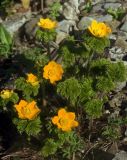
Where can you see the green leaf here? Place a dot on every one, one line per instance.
(30, 127)
(87, 91)
(49, 148)
(20, 124)
(33, 127)
(94, 108)
(70, 89)
(104, 84)
(5, 37)
(96, 45)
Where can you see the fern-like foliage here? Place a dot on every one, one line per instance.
(68, 58)
(94, 108)
(104, 84)
(30, 127)
(49, 148)
(67, 140)
(117, 71)
(27, 89)
(95, 44)
(12, 100)
(87, 91)
(69, 89)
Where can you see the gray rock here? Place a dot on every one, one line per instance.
(122, 155)
(124, 27)
(66, 26)
(97, 8)
(60, 36)
(123, 34)
(31, 27)
(97, 1)
(69, 12)
(112, 37)
(120, 86)
(116, 53)
(104, 18)
(121, 43)
(48, 3)
(74, 4)
(14, 24)
(112, 5)
(112, 1)
(114, 24)
(84, 23)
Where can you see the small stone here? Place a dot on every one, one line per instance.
(14, 24)
(112, 1)
(84, 23)
(104, 18)
(120, 86)
(112, 5)
(60, 36)
(69, 12)
(122, 155)
(124, 27)
(66, 26)
(48, 3)
(97, 8)
(96, 1)
(116, 53)
(112, 37)
(121, 43)
(114, 24)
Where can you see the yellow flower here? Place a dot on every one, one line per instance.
(65, 120)
(31, 78)
(47, 23)
(5, 94)
(27, 110)
(99, 29)
(53, 71)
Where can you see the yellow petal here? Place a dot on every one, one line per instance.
(61, 113)
(55, 120)
(71, 115)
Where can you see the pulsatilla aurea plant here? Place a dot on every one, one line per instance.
(46, 32)
(52, 101)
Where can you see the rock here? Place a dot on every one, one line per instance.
(112, 37)
(98, 154)
(112, 1)
(97, 1)
(112, 5)
(75, 4)
(124, 27)
(14, 24)
(122, 155)
(98, 8)
(66, 26)
(48, 3)
(69, 12)
(104, 18)
(30, 27)
(120, 86)
(60, 37)
(123, 35)
(115, 102)
(121, 43)
(116, 53)
(84, 23)
(114, 24)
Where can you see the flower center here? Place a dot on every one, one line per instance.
(63, 122)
